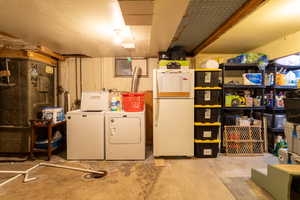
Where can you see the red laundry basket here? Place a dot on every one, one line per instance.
(133, 102)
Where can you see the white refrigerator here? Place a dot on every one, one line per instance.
(173, 112)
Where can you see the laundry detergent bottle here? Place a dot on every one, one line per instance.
(115, 101)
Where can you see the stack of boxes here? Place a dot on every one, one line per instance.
(207, 112)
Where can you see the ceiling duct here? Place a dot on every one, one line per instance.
(137, 12)
(202, 18)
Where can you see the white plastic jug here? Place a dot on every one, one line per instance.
(290, 78)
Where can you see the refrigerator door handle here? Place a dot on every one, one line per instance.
(156, 117)
(157, 86)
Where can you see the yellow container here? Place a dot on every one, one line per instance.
(280, 79)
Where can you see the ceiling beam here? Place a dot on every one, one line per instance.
(48, 52)
(245, 10)
(7, 35)
(41, 49)
(24, 54)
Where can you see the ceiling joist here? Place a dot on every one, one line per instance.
(48, 52)
(24, 54)
(19, 44)
(245, 10)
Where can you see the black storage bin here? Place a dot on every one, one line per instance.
(206, 150)
(207, 114)
(292, 102)
(292, 107)
(163, 55)
(207, 78)
(206, 132)
(207, 97)
(177, 53)
(230, 120)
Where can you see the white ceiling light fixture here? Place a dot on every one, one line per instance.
(118, 40)
(122, 33)
(126, 33)
(291, 7)
(118, 21)
(118, 36)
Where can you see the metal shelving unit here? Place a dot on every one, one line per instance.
(276, 130)
(257, 89)
(281, 87)
(244, 108)
(270, 109)
(229, 86)
(273, 131)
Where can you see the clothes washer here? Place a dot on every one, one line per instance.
(125, 135)
(85, 135)
(85, 127)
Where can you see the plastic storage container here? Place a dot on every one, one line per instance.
(206, 132)
(252, 79)
(292, 134)
(56, 114)
(207, 97)
(207, 114)
(133, 102)
(230, 120)
(292, 109)
(206, 148)
(280, 121)
(207, 78)
(55, 143)
(269, 119)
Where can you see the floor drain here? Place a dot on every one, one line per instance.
(95, 175)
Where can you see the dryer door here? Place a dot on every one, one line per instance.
(125, 130)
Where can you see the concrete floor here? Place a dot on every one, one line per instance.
(225, 178)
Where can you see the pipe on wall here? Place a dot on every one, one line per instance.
(76, 79)
(80, 71)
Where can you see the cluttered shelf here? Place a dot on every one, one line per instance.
(246, 61)
(276, 130)
(269, 108)
(236, 66)
(282, 87)
(263, 88)
(244, 108)
(236, 86)
(284, 66)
